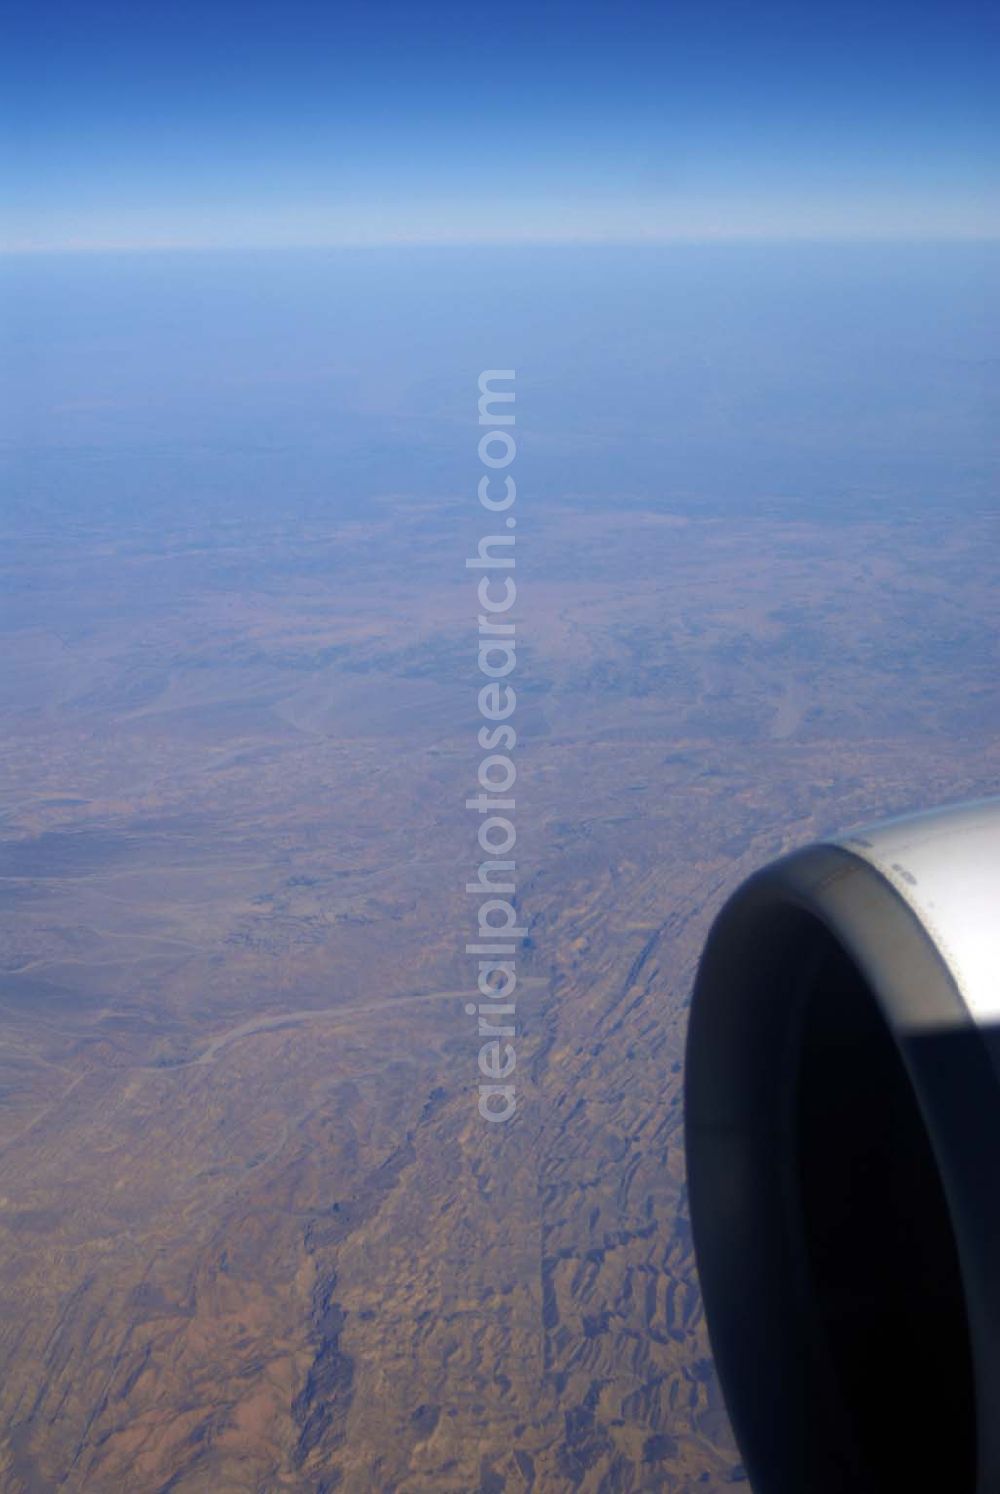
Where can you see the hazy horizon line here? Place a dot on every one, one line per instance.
(637, 241)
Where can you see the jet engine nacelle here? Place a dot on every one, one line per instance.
(843, 1145)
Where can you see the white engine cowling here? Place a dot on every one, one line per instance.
(843, 1145)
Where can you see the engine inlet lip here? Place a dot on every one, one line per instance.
(739, 1042)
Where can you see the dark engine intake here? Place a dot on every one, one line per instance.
(843, 1145)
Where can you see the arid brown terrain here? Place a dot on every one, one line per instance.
(254, 1235)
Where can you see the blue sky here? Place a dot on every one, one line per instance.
(255, 124)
